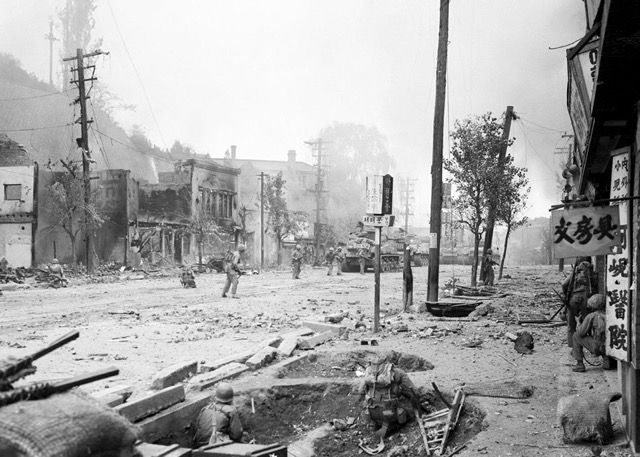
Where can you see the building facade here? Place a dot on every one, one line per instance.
(603, 178)
(18, 175)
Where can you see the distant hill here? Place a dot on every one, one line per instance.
(42, 120)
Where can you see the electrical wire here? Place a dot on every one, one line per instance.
(541, 126)
(144, 91)
(527, 140)
(33, 96)
(36, 128)
(134, 149)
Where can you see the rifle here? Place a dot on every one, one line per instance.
(14, 370)
(45, 389)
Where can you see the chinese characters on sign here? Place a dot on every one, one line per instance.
(585, 231)
(618, 281)
(379, 221)
(379, 194)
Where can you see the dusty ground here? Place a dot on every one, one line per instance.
(143, 325)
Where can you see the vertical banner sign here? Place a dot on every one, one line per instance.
(374, 194)
(387, 194)
(618, 293)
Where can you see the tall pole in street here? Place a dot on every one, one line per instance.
(493, 203)
(83, 143)
(436, 164)
(261, 221)
(318, 190)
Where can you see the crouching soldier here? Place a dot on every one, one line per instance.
(591, 333)
(187, 278)
(56, 275)
(219, 421)
(383, 387)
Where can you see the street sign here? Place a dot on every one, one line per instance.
(379, 194)
(379, 221)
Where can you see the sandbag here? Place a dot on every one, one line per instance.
(586, 417)
(69, 424)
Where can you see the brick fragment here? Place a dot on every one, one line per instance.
(262, 358)
(321, 327)
(313, 341)
(174, 374)
(287, 346)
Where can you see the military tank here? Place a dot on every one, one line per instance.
(391, 254)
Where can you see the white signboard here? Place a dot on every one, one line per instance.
(618, 293)
(585, 231)
(379, 221)
(374, 194)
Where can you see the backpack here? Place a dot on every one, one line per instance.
(228, 257)
(599, 327)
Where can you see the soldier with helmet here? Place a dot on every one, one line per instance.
(384, 387)
(56, 272)
(581, 284)
(296, 261)
(232, 268)
(329, 258)
(591, 334)
(340, 258)
(487, 268)
(219, 421)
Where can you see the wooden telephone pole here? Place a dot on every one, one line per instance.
(319, 154)
(83, 143)
(493, 204)
(436, 165)
(51, 37)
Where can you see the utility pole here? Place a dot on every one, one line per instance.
(262, 175)
(409, 189)
(83, 143)
(493, 203)
(319, 154)
(51, 39)
(436, 164)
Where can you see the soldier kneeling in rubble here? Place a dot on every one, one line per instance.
(383, 386)
(187, 278)
(219, 421)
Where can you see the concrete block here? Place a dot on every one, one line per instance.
(108, 396)
(174, 374)
(297, 333)
(288, 345)
(241, 357)
(262, 358)
(110, 400)
(205, 380)
(313, 341)
(418, 308)
(151, 404)
(321, 327)
(174, 420)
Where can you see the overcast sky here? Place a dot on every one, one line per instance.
(267, 75)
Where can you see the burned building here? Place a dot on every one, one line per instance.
(191, 213)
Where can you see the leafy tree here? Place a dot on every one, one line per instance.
(354, 151)
(281, 221)
(65, 203)
(76, 24)
(513, 201)
(476, 144)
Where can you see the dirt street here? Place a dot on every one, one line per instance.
(142, 325)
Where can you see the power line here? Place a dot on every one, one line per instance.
(541, 126)
(33, 96)
(37, 128)
(144, 91)
(132, 148)
(524, 133)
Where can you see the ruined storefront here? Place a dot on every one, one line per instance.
(603, 99)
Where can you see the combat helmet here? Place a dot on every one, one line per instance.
(224, 393)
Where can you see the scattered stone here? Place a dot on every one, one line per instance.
(313, 341)
(174, 374)
(205, 380)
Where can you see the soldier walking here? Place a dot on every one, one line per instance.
(363, 255)
(296, 261)
(329, 257)
(232, 268)
(340, 258)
